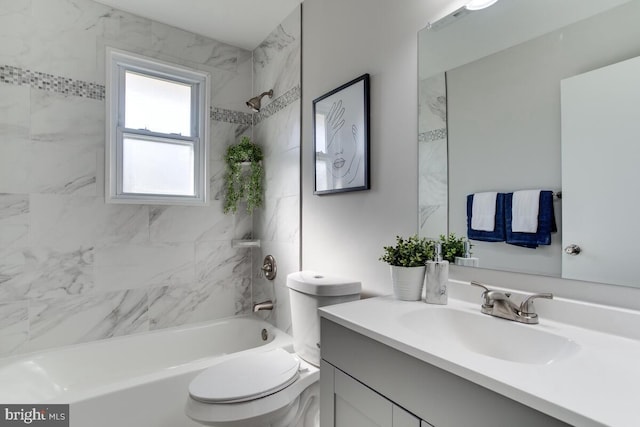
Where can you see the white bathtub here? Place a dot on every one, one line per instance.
(137, 380)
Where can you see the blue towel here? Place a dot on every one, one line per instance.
(498, 233)
(546, 223)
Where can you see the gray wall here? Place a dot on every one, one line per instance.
(503, 116)
(343, 234)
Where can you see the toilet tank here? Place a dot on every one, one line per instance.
(308, 291)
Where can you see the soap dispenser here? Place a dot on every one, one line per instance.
(467, 260)
(436, 278)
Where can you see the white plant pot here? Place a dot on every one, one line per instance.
(407, 282)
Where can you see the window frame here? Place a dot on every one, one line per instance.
(118, 63)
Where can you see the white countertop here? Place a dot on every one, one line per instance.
(598, 385)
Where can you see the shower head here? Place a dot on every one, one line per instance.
(254, 103)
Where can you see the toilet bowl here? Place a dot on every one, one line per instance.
(273, 388)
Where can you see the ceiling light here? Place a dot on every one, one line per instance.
(479, 4)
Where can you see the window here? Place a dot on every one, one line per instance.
(157, 132)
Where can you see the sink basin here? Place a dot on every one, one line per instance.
(490, 336)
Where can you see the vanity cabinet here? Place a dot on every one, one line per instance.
(366, 383)
(354, 404)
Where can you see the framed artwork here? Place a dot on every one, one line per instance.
(341, 138)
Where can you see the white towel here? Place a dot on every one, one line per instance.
(524, 211)
(483, 211)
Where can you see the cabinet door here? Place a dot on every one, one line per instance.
(346, 402)
(402, 418)
(358, 405)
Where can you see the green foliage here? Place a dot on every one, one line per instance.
(452, 246)
(243, 185)
(411, 252)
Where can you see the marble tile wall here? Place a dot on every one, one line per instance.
(72, 268)
(276, 66)
(432, 157)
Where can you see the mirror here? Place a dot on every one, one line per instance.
(494, 103)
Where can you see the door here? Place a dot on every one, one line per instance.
(600, 173)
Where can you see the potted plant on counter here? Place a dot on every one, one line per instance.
(407, 260)
(452, 247)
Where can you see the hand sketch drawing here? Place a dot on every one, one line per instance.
(343, 152)
(341, 138)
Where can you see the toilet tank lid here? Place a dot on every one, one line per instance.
(314, 283)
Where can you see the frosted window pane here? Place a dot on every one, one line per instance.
(157, 105)
(153, 167)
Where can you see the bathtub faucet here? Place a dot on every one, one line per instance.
(265, 305)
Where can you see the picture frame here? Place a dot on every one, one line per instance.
(341, 138)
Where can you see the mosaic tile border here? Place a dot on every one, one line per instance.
(67, 86)
(278, 104)
(231, 116)
(433, 135)
(241, 118)
(51, 83)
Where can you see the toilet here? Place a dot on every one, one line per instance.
(273, 388)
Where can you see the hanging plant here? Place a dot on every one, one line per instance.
(242, 184)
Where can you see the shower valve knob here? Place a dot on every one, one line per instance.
(269, 267)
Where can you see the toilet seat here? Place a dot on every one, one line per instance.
(271, 408)
(245, 378)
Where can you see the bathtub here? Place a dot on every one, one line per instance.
(137, 380)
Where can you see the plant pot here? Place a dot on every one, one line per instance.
(407, 282)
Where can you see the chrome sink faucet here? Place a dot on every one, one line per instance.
(499, 304)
